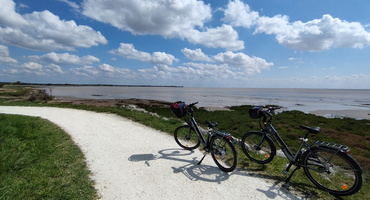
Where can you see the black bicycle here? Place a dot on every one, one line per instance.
(216, 142)
(327, 165)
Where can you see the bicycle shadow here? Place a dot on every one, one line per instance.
(191, 170)
(277, 189)
(280, 188)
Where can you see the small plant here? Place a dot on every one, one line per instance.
(41, 95)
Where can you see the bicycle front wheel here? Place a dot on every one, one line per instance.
(332, 170)
(223, 153)
(186, 137)
(258, 147)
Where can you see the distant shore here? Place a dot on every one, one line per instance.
(212, 98)
(356, 114)
(68, 84)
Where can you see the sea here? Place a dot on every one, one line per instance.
(306, 100)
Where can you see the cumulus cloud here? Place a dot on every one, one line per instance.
(195, 55)
(239, 14)
(114, 71)
(64, 59)
(167, 18)
(37, 69)
(243, 62)
(4, 55)
(86, 71)
(171, 19)
(44, 30)
(53, 68)
(315, 35)
(220, 37)
(129, 51)
(104, 71)
(8, 16)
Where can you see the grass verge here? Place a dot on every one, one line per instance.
(40, 161)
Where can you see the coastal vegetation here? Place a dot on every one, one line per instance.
(351, 132)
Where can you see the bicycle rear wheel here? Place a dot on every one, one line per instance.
(332, 170)
(223, 153)
(186, 137)
(258, 147)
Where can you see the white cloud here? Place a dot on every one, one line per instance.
(243, 62)
(53, 68)
(167, 18)
(315, 35)
(129, 51)
(86, 71)
(171, 19)
(4, 55)
(105, 72)
(107, 68)
(37, 69)
(195, 55)
(44, 31)
(114, 71)
(220, 37)
(239, 14)
(8, 16)
(64, 59)
(32, 66)
(71, 4)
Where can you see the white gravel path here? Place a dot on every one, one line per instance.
(131, 161)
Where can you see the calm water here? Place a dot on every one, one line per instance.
(294, 99)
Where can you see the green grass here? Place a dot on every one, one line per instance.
(40, 161)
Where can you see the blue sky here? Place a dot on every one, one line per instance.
(192, 43)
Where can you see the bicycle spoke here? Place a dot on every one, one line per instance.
(223, 153)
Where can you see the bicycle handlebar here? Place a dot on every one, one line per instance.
(192, 104)
(267, 111)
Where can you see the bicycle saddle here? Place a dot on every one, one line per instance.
(311, 129)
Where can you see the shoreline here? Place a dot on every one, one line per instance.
(346, 113)
(356, 114)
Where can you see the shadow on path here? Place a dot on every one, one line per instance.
(191, 169)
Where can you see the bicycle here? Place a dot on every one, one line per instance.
(327, 165)
(216, 142)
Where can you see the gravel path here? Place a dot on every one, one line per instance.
(131, 161)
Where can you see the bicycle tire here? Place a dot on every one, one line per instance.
(258, 147)
(341, 175)
(186, 137)
(223, 153)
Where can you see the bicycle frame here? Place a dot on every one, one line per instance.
(193, 124)
(269, 128)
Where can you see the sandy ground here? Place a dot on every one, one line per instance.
(357, 114)
(131, 161)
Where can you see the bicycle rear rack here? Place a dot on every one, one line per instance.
(340, 147)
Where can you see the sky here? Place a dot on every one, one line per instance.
(190, 43)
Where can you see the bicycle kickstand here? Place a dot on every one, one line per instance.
(202, 158)
(291, 174)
